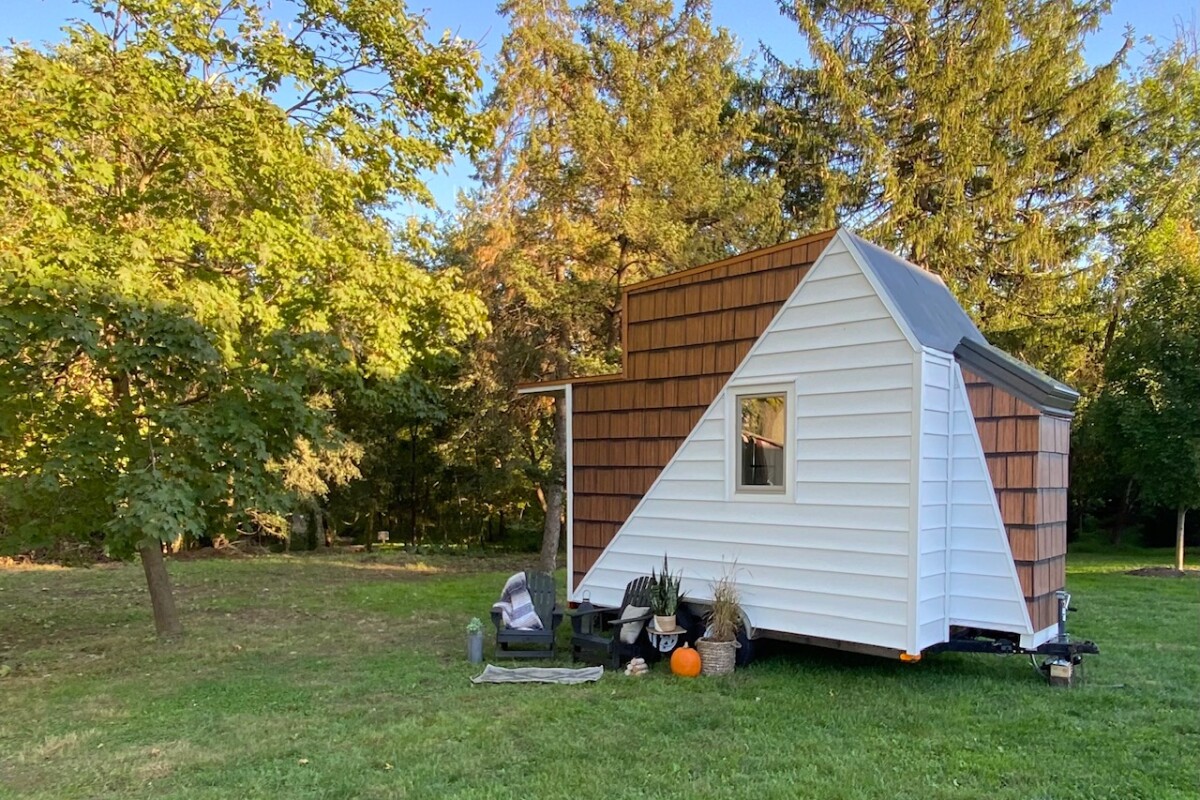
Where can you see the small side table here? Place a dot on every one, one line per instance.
(664, 641)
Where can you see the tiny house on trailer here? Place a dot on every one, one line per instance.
(825, 416)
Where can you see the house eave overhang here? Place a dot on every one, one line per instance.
(560, 384)
(1017, 378)
(542, 388)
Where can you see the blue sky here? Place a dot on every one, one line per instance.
(754, 22)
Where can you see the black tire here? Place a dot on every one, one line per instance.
(745, 651)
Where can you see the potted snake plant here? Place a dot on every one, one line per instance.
(665, 597)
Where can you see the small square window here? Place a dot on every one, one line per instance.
(762, 452)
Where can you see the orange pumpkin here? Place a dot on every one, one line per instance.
(685, 662)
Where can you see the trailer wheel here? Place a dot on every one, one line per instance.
(745, 650)
(692, 622)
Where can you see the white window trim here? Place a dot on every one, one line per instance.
(733, 436)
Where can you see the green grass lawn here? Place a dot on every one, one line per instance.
(345, 676)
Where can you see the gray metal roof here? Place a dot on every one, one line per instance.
(939, 322)
(920, 297)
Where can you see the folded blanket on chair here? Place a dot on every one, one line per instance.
(516, 606)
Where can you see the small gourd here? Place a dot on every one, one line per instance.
(685, 662)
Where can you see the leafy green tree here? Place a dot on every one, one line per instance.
(1125, 431)
(969, 134)
(1153, 377)
(1158, 179)
(196, 268)
(613, 162)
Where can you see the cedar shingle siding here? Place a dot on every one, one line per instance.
(684, 335)
(1027, 452)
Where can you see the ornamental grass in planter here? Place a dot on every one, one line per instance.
(718, 650)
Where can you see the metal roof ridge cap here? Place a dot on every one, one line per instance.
(1034, 385)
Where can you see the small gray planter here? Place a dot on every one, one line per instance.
(475, 648)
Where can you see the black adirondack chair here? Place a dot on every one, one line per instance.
(532, 644)
(595, 632)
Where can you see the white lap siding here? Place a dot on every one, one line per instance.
(935, 515)
(833, 560)
(984, 591)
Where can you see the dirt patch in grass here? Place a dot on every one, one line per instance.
(63, 553)
(25, 563)
(239, 549)
(56, 746)
(1164, 572)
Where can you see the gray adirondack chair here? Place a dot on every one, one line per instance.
(595, 632)
(514, 643)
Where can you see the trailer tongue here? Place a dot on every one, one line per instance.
(1062, 653)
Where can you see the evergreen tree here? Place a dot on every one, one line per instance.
(971, 136)
(656, 143)
(613, 162)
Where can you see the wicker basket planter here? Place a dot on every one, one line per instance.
(716, 658)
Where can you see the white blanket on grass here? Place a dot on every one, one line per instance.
(516, 606)
(563, 675)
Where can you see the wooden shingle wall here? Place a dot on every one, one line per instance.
(684, 335)
(1027, 453)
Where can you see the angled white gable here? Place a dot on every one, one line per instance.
(966, 574)
(838, 555)
(984, 591)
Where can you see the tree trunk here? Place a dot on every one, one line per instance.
(552, 530)
(617, 312)
(412, 482)
(299, 528)
(166, 617)
(309, 535)
(1180, 518)
(555, 489)
(320, 537)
